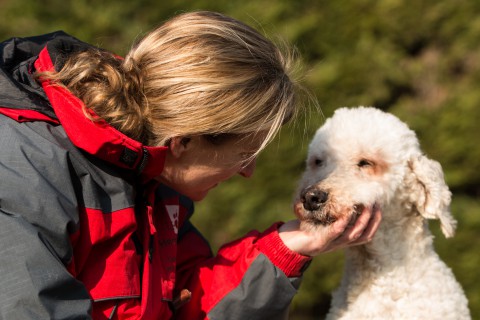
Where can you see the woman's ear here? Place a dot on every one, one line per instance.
(178, 145)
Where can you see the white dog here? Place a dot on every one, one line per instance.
(361, 157)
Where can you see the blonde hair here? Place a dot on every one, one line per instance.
(200, 73)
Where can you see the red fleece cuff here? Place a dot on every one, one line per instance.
(290, 262)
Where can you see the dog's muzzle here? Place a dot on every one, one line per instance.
(313, 207)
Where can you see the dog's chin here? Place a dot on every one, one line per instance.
(323, 216)
(314, 218)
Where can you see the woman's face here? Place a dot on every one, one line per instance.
(194, 166)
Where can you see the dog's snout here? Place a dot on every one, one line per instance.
(313, 198)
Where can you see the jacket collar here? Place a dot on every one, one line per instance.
(99, 138)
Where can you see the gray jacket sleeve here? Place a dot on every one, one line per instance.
(262, 285)
(38, 214)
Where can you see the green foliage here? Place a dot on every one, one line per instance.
(417, 59)
(461, 252)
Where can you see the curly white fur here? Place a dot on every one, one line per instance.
(364, 156)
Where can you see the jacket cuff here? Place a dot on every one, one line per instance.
(290, 262)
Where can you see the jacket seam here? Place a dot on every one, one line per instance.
(117, 298)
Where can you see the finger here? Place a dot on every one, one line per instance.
(333, 238)
(338, 228)
(371, 228)
(360, 225)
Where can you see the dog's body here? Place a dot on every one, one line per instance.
(361, 157)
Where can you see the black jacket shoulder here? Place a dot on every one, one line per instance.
(18, 88)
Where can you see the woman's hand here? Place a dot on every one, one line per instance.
(338, 235)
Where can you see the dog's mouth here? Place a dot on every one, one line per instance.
(313, 216)
(326, 213)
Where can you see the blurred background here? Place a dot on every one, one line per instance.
(417, 59)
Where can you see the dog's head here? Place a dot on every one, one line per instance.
(364, 156)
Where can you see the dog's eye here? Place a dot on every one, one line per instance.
(318, 162)
(364, 163)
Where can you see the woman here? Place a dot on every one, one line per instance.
(105, 157)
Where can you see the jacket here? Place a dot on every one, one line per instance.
(87, 233)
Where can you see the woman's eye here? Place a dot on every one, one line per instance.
(364, 163)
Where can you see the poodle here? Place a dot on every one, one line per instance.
(363, 157)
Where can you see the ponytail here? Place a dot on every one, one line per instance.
(110, 87)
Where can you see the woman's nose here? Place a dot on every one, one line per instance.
(248, 169)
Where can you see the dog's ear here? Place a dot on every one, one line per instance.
(429, 192)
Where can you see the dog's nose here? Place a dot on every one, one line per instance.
(313, 198)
